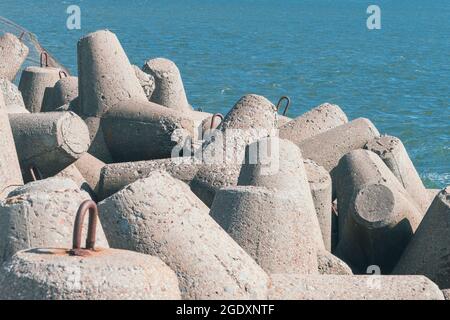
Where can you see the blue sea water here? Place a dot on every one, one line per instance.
(314, 51)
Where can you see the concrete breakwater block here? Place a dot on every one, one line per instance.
(41, 214)
(11, 93)
(327, 148)
(33, 84)
(10, 175)
(48, 141)
(90, 168)
(146, 80)
(253, 117)
(328, 263)
(428, 253)
(393, 153)
(63, 93)
(318, 120)
(321, 190)
(335, 287)
(13, 53)
(110, 91)
(159, 215)
(46, 273)
(115, 176)
(169, 88)
(377, 218)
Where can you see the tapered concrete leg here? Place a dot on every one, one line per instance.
(159, 215)
(90, 168)
(115, 176)
(332, 287)
(146, 80)
(377, 217)
(318, 120)
(48, 141)
(169, 89)
(64, 91)
(13, 53)
(320, 184)
(11, 93)
(272, 228)
(428, 252)
(327, 148)
(33, 84)
(107, 274)
(10, 175)
(330, 264)
(106, 77)
(41, 214)
(72, 173)
(393, 153)
(98, 147)
(252, 117)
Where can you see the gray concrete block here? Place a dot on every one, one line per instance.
(11, 93)
(146, 80)
(13, 53)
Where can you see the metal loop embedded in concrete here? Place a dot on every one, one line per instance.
(86, 206)
(216, 115)
(288, 102)
(43, 58)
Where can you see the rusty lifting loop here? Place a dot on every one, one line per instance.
(288, 102)
(86, 206)
(41, 59)
(62, 73)
(216, 115)
(35, 173)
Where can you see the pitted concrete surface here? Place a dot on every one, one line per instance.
(11, 93)
(13, 53)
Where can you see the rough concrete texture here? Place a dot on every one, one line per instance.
(106, 76)
(393, 153)
(49, 141)
(282, 120)
(108, 274)
(98, 147)
(71, 172)
(446, 294)
(327, 148)
(13, 53)
(11, 93)
(169, 88)
(33, 84)
(252, 118)
(41, 214)
(272, 227)
(146, 80)
(64, 91)
(377, 217)
(428, 253)
(159, 215)
(320, 119)
(335, 287)
(330, 264)
(90, 168)
(320, 185)
(14, 108)
(10, 175)
(115, 176)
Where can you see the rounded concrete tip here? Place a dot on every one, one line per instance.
(47, 70)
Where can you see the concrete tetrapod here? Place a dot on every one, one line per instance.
(116, 109)
(40, 214)
(11, 93)
(169, 88)
(337, 287)
(320, 119)
(146, 80)
(271, 213)
(115, 176)
(64, 92)
(48, 141)
(393, 153)
(252, 117)
(159, 215)
(33, 84)
(428, 253)
(13, 53)
(90, 168)
(377, 218)
(10, 175)
(86, 273)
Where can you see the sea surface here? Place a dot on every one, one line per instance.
(314, 51)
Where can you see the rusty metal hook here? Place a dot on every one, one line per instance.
(86, 206)
(216, 115)
(62, 73)
(35, 173)
(21, 35)
(41, 60)
(288, 102)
